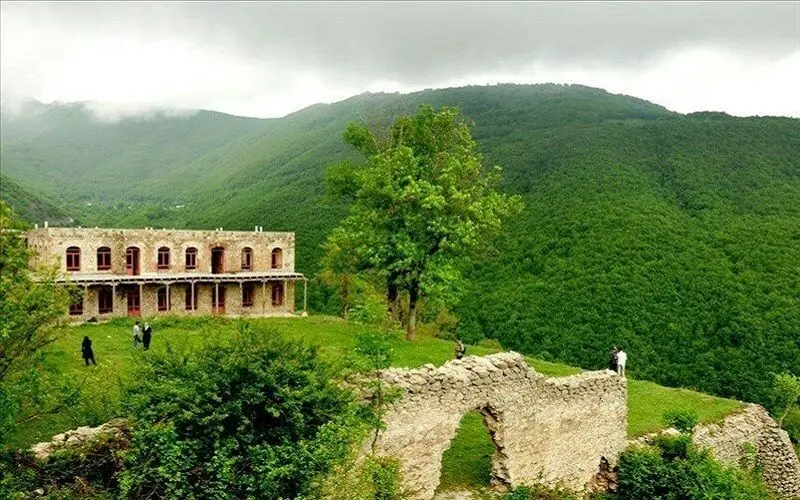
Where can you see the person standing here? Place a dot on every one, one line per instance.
(87, 352)
(612, 363)
(460, 349)
(147, 336)
(622, 358)
(136, 335)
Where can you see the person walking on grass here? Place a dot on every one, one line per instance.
(136, 335)
(147, 336)
(87, 352)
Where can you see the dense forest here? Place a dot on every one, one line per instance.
(674, 236)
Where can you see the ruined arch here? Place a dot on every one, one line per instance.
(547, 430)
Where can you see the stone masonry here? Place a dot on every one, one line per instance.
(727, 439)
(545, 430)
(137, 280)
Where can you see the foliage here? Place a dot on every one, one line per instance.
(676, 469)
(251, 415)
(371, 478)
(682, 419)
(421, 202)
(786, 395)
(31, 309)
(86, 471)
(539, 492)
(791, 424)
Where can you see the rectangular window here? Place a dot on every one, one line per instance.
(103, 259)
(76, 308)
(191, 300)
(163, 258)
(191, 258)
(247, 295)
(105, 300)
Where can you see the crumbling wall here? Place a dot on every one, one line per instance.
(545, 430)
(728, 441)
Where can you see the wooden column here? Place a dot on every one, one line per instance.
(305, 297)
(169, 300)
(216, 288)
(263, 297)
(191, 298)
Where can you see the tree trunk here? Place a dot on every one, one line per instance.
(413, 296)
(391, 299)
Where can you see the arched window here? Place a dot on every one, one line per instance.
(103, 259)
(247, 259)
(277, 294)
(163, 258)
(191, 258)
(73, 259)
(277, 258)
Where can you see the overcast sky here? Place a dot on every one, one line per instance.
(270, 59)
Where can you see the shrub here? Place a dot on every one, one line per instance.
(791, 424)
(683, 420)
(248, 416)
(676, 469)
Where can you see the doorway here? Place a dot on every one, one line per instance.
(218, 299)
(218, 260)
(134, 302)
(132, 264)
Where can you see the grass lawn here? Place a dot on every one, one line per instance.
(465, 465)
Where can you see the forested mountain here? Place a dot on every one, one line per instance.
(63, 150)
(675, 236)
(30, 205)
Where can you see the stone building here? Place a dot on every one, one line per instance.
(148, 272)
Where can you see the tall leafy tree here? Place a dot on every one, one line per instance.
(31, 306)
(422, 201)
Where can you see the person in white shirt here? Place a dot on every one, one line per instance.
(622, 357)
(136, 337)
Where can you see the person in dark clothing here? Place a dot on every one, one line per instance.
(612, 364)
(147, 336)
(86, 350)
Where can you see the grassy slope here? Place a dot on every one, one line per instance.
(465, 464)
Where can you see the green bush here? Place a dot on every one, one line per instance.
(791, 424)
(248, 416)
(683, 420)
(676, 469)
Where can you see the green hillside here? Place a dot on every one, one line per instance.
(31, 206)
(64, 151)
(675, 236)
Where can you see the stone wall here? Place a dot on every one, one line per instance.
(727, 439)
(51, 245)
(545, 430)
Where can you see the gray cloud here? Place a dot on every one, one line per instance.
(348, 46)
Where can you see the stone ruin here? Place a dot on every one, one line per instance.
(545, 430)
(754, 426)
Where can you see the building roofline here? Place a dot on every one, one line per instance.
(150, 229)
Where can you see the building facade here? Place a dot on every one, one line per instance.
(149, 272)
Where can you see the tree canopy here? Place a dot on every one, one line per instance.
(422, 201)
